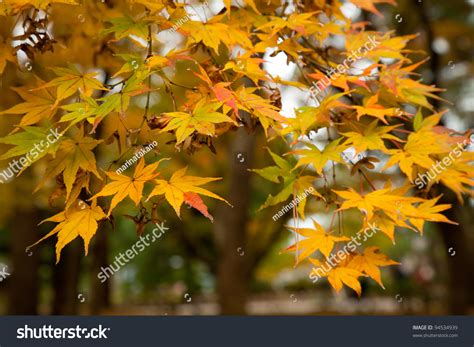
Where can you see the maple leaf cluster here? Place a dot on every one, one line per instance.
(379, 110)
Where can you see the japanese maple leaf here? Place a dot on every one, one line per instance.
(377, 200)
(416, 92)
(250, 3)
(220, 90)
(158, 62)
(79, 220)
(123, 186)
(70, 81)
(202, 120)
(259, 107)
(225, 95)
(459, 176)
(338, 276)
(125, 26)
(39, 4)
(369, 263)
(294, 185)
(39, 105)
(6, 54)
(370, 138)
(299, 22)
(73, 154)
(315, 239)
(213, 33)
(313, 117)
(250, 67)
(418, 149)
(385, 224)
(80, 111)
(32, 138)
(195, 201)
(179, 184)
(319, 158)
(398, 81)
(372, 108)
(368, 5)
(427, 211)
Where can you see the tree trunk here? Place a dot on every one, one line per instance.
(66, 280)
(459, 259)
(99, 292)
(23, 285)
(230, 228)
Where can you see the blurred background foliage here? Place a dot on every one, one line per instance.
(234, 265)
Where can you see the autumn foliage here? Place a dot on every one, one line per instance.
(373, 116)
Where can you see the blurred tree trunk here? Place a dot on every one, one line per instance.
(99, 292)
(66, 280)
(230, 228)
(23, 282)
(460, 286)
(461, 263)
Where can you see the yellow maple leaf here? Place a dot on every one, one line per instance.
(202, 120)
(250, 3)
(313, 117)
(259, 107)
(13, 6)
(418, 149)
(249, 67)
(427, 211)
(73, 154)
(174, 190)
(123, 185)
(301, 23)
(368, 5)
(39, 105)
(6, 54)
(319, 158)
(369, 263)
(316, 238)
(385, 225)
(338, 276)
(79, 220)
(153, 5)
(458, 176)
(370, 138)
(70, 81)
(213, 33)
(373, 109)
(377, 200)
